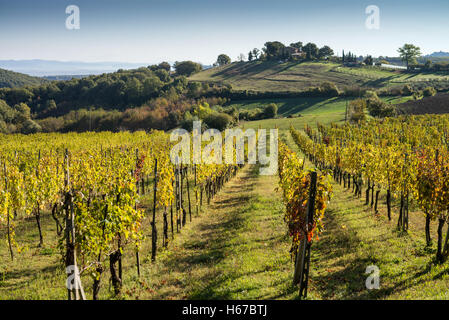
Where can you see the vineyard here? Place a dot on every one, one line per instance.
(406, 157)
(92, 185)
(117, 207)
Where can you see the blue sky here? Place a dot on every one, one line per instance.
(151, 31)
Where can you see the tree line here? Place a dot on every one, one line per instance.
(276, 50)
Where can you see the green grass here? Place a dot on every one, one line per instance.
(390, 77)
(356, 238)
(311, 111)
(298, 76)
(294, 106)
(304, 111)
(238, 249)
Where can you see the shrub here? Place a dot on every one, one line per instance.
(329, 89)
(51, 124)
(378, 108)
(371, 95)
(407, 90)
(29, 126)
(249, 115)
(218, 120)
(429, 92)
(187, 68)
(271, 111)
(357, 110)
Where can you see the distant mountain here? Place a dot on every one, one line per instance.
(63, 68)
(11, 79)
(440, 54)
(66, 77)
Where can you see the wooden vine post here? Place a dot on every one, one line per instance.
(181, 179)
(178, 198)
(196, 190)
(153, 222)
(75, 290)
(38, 212)
(8, 218)
(188, 196)
(303, 257)
(403, 213)
(135, 207)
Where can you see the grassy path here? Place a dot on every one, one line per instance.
(237, 249)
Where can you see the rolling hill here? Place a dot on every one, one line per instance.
(297, 76)
(11, 79)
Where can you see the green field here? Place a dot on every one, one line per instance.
(304, 110)
(298, 76)
(393, 77)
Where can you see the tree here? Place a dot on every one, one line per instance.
(357, 110)
(50, 106)
(241, 57)
(368, 60)
(409, 53)
(133, 91)
(18, 95)
(29, 126)
(325, 52)
(250, 56)
(429, 92)
(273, 50)
(311, 51)
(256, 53)
(407, 90)
(378, 108)
(23, 113)
(7, 113)
(218, 120)
(164, 65)
(297, 45)
(163, 75)
(271, 111)
(187, 68)
(151, 86)
(223, 59)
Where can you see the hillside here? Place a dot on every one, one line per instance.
(440, 54)
(11, 79)
(297, 76)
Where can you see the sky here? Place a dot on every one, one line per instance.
(151, 31)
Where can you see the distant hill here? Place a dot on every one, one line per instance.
(66, 77)
(434, 105)
(440, 54)
(50, 68)
(11, 79)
